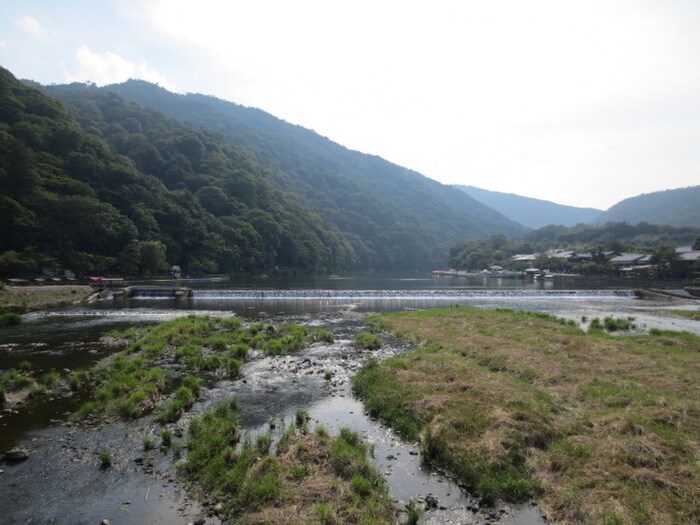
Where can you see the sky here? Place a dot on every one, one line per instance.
(583, 103)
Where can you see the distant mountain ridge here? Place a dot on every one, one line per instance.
(530, 212)
(675, 207)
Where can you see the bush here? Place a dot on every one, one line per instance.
(367, 341)
(613, 325)
(595, 324)
(50, 379)
(148, 443)
(10, 319)
(233, 367)
(321, 334)
(301, 417)
(166, 438)
(105, 458)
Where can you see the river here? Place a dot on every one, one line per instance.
(61, 481)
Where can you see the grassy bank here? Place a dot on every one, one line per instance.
(21, 299)
(600, 429)
(159, 366)
(693, 315)
(312, 477)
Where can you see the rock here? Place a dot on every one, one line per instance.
(105, 522)
(431, 502)
(16, 455)
(200, 521)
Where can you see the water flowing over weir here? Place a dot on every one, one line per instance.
(389, 294)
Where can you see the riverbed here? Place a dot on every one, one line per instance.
(62, 482)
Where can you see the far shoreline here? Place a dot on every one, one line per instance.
(23, 299)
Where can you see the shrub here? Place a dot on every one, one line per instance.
(50, 379)
(148, 443)
(301, 417)
(10, 319)
(321, 334)
(239, 351)
(595, 324)
(105, 457)
(612, 325)
(367, 341)
(78, 379)
(233, 367)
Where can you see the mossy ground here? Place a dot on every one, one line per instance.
(600, 429)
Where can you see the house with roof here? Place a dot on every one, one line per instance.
(634, 264)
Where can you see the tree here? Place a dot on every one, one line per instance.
(129, 259)
(13, 264)
(666, 258)
(153, 256)
(696, 246)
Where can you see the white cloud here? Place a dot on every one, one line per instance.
(110, 68)
(30, 25)
(513, 96)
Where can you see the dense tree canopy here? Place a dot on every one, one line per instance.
(388, 216)
(109, 186)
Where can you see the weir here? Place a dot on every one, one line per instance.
(399, 294)
(157, 292)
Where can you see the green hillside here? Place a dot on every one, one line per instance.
(404, 219)
(677, 207)
(126, 190)
(533, 213)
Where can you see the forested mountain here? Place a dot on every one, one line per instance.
(617, 236)
(103, 184)
(393, 217)
(678, 207)
(533, 213)
(132, 188)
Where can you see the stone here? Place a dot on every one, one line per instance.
(431, 502)
(16, 455)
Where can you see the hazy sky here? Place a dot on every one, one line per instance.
(582, 103)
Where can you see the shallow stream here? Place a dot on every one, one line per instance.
(61, 482)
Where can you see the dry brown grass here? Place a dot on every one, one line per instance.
(610, 425)
(31, 298)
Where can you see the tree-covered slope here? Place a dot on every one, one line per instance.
(678, 207)
(405, 219)
(125, 190)
(533, 213)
